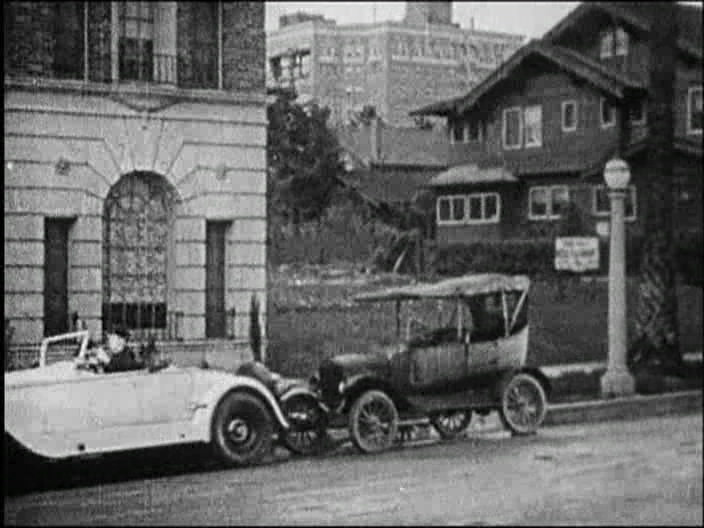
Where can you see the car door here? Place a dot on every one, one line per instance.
(164, 396)
(434, 367)
(86, 413)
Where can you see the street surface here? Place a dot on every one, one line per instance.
(632, 472)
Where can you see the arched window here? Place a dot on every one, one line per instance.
(138, 219)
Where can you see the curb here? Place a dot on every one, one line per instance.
(624, 408)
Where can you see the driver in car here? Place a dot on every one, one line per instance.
(120, 356)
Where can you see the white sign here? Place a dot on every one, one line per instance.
(576, 253)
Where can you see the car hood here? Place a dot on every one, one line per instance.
(357, 363)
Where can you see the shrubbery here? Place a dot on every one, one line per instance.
(537, 257)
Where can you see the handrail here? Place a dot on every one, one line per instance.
(83, 334)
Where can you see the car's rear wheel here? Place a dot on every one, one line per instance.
(308, 425)
(523, 404)
(242, 429)
(373, 422)
(451, 424)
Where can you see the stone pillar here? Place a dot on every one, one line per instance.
(617, 381)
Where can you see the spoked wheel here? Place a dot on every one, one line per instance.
(451, 424)
(242, 429)
(308, 432)
(523, 404)
(373, 422)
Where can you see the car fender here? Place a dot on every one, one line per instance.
(355, 385)
(536, 372)
(302, 391)
(205, 405)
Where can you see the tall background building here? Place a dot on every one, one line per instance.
(394, 66)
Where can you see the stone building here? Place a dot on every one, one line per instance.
(394, 66)
(135, 171)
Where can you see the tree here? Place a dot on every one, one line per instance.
(656, 337)
(303, 158)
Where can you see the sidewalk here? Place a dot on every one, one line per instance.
(555, 371)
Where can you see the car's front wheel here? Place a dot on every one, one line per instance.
(242, 429)
(373, 422)
(523, 404)
(308, 425)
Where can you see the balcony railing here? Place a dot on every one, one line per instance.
(164, 68)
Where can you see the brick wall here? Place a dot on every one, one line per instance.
(28, 38)
(243, 46)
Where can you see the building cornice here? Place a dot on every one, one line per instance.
(140, 97)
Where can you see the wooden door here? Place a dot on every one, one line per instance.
(215, 279)
(56, 276)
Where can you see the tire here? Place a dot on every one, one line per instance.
(308, 432)
(523, 404)
(451, 424)
(242, 429)
(373, 422)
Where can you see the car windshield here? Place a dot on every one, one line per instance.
(484, 316)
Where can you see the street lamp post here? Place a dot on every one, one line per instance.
(617, 380)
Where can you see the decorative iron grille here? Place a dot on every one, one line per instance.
(137, 221)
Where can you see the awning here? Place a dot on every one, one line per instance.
(471, 174)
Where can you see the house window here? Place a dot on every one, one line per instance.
(512, 130)
(569, 116)
(607, 45)
(636, 113)
(608, 113)
(483, 208)
(694, 110)
(451, 209)
(547, 202)
(620, 42)
(69, 40)
(136, 40)
(602, 204)
(533, 119)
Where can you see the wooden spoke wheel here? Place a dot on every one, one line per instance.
(308, 432)
(523, 404)
(373, 422)
(451, 424)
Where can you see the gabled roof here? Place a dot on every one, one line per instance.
(471, 174)
(599, 76)
(398, 146)
(640, 16)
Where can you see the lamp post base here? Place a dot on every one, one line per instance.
(615, 383)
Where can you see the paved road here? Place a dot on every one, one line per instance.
(634, 472)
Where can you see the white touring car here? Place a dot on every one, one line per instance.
(72, 409)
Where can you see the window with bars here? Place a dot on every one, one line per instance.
(138, 213)
(136, 40)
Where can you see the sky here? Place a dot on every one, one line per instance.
(530, 19)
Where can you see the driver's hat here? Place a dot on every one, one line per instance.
(122, 332)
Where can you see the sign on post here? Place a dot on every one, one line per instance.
(577, 253)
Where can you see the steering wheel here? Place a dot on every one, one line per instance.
(91, 363)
